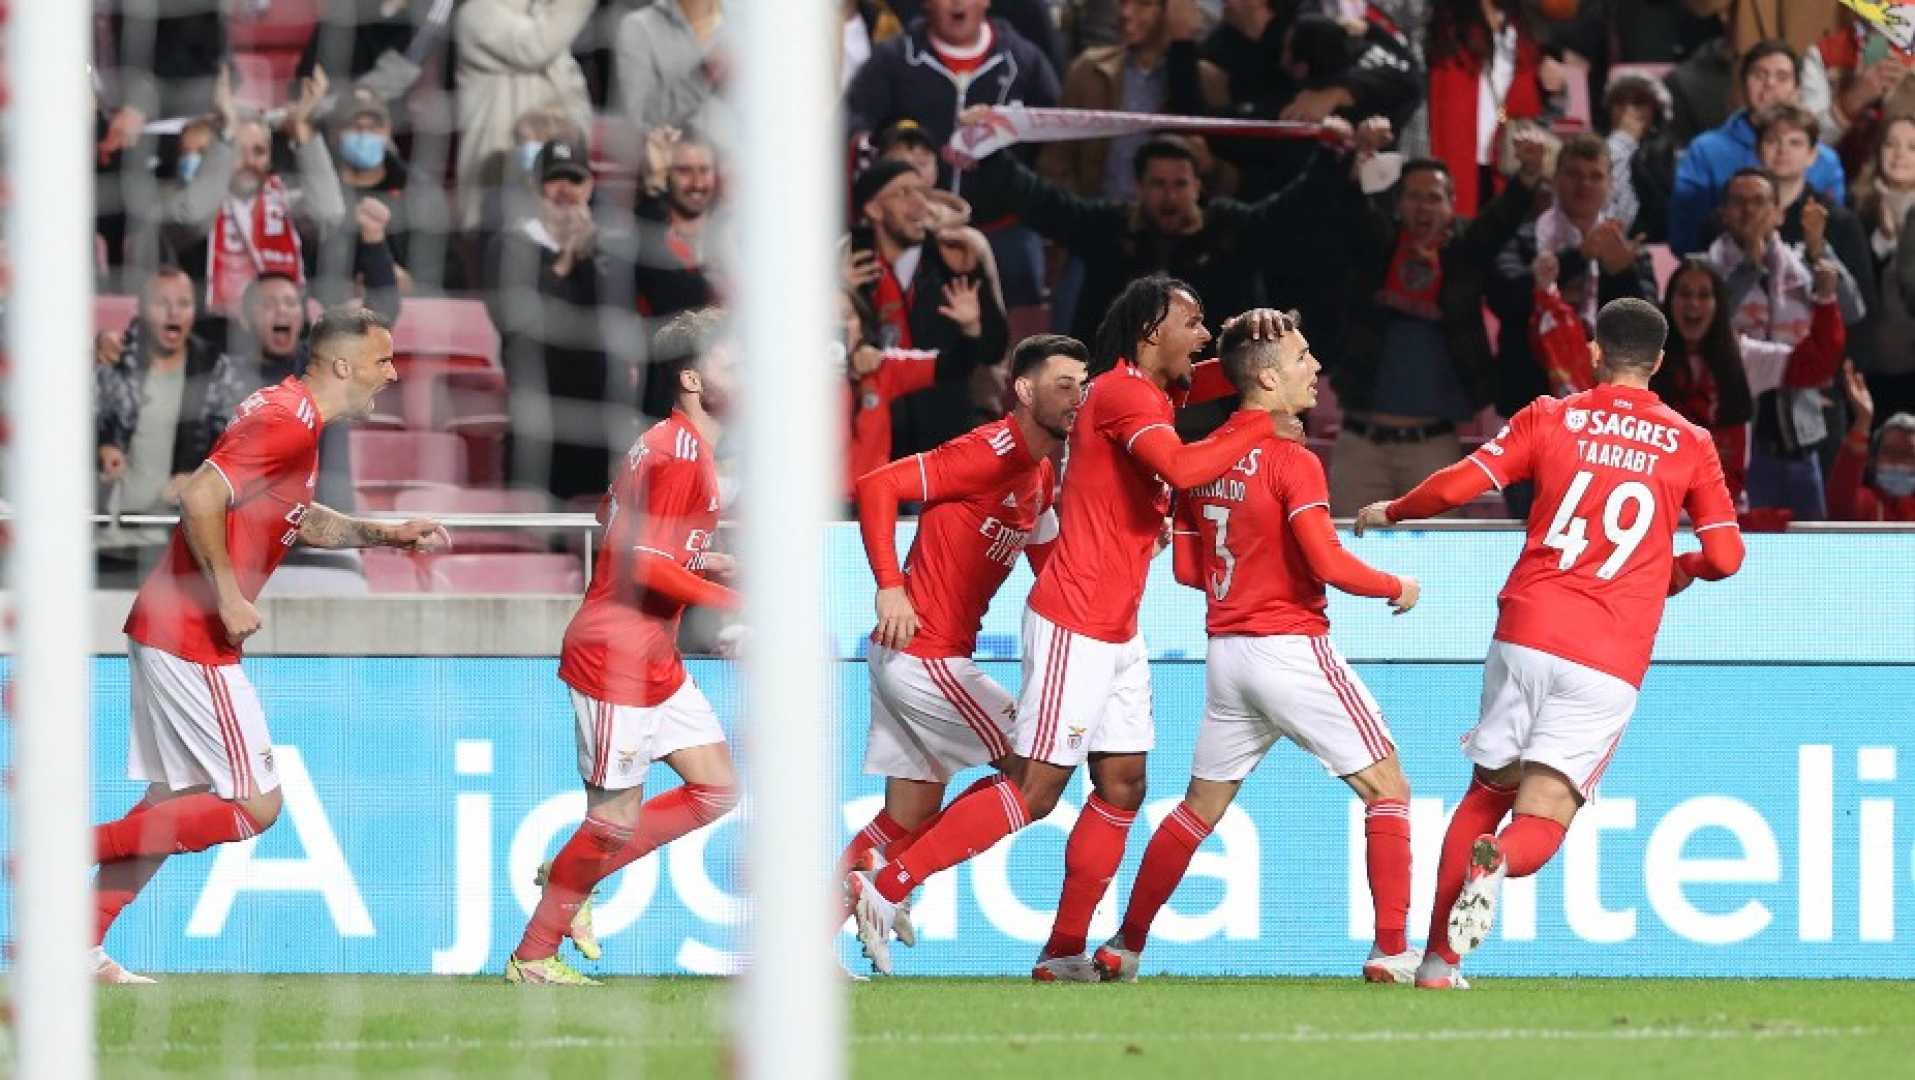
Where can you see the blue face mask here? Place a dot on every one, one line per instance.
(1897, 482)
(189, 164)
(362, 149)
(529, 155)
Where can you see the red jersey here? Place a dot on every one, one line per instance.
(983, 493)
(1111, 519)
(1256, 578)
(869, 406)
(269, 458)
(622, 645)
(1614, 468)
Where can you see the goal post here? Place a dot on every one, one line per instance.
(49, 233)
(788, 170)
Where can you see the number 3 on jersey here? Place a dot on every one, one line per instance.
(1569, 531)
(1220, 515)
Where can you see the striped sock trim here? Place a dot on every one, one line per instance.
(1186, 821)
(1120, 818)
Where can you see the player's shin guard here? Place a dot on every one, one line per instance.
(1091, 857)
(663, 819)
(1529, 843)
(582, 863)
(1481, 810)
(173, 827)
(1166, 858)
(1386, 830)
(880, 834)
(973, 823)
(902, 844)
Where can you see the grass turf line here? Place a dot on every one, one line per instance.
(930, 1029)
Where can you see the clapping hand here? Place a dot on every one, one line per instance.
(961, 306)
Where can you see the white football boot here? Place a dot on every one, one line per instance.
(1474, 912)
(108, 972)
(876, 918)
(1399, 968)
(1114, 962)
(1073, 969)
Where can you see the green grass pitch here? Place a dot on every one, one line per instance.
(927, 1029)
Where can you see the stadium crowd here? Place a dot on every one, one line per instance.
(556, 168)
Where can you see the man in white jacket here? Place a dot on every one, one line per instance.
(514, 55)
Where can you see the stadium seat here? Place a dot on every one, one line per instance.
(114, 313)
(1665, 262)
(457, 331)
(257, 84)
(390, 571)
(1027, 320)
(483, 574)
(385, 463)
(434, 499)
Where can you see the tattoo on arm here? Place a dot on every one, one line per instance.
(324, 527)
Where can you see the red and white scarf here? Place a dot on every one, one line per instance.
(243, 246)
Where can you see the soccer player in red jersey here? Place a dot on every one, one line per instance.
(987, 496)
(199, 736)
(1259, 542)
(634, 702)
(1086, 687)
(1614, 468)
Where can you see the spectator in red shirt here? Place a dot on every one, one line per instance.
(876, 376)
(1873, 479)
(1486, 69)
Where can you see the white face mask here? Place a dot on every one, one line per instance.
(1896, 481)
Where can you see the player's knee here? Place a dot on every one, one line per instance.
(1385, 781)
(714, 800)
(1122, 792)
(263, 808)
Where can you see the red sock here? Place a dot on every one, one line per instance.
(173, 827)
(1166, 858)
(581, 864)
(968, 826)
(119, 882)
(116, 886)
(1481, 810)
(1091, 856)
(903, 843)
(664, 818)
(1386, 827)
(882, 831)
(1529, 842)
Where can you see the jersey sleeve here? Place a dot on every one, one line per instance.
(261, 448)
(672, 496)
(908, 374)
(1707, 500)
(1127, 408)
(961, 468)
(1299, 484)
(1510, 457)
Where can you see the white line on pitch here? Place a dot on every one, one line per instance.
(1298, 1035)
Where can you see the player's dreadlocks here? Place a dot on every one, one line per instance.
(1133, 316)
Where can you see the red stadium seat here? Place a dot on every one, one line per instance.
(483, 574)
(258, 83)
(385, 463)
(447, 499)
(391, 571)
(458, 331)
(469, 402)
(1027, 320)
(114, 313)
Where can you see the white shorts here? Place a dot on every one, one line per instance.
(618, 743)
(933, 718)
(197, 724)
(1261, 689)
(1542, 708)
(1081, 696)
